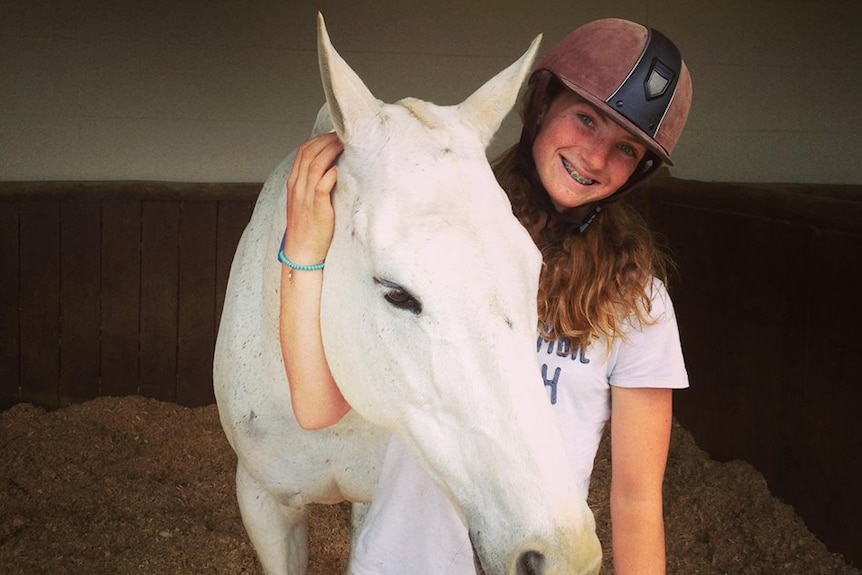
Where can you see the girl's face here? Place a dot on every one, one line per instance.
(581, 155)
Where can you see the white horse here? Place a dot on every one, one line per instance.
(429, 322)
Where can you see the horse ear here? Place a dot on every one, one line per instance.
(350, 101)
(485, 110)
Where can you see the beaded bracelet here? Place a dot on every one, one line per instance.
(294, 266)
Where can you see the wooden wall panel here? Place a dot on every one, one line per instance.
(830, 435)
(197, 302)
(80, 271)
(9, 316)
(160, 235)
(114, 288)
(39, 300)
(121, 295)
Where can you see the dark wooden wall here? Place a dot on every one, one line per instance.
(114, 288)
(769, 302)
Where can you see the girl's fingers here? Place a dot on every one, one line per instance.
(313, 159)
(310, 218)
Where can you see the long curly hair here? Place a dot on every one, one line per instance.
(591, 282)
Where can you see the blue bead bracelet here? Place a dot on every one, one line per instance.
(294, 266)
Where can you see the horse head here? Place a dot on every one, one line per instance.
(429, 316)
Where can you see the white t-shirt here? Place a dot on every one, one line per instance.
(411, 527)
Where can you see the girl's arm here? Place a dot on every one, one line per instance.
(317, 401)
(640, 438)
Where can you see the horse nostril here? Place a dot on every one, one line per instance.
(531, 563)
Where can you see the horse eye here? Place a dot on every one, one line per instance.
(398, 296)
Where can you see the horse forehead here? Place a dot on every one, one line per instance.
(437, 130)
(419, 163)
(430, 187)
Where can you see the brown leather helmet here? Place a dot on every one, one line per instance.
(633, 74)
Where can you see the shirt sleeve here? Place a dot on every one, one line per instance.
(650, 355)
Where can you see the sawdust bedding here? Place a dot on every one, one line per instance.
(133, 485)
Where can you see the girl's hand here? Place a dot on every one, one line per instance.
(310, 217)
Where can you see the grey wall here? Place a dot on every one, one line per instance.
(219, 90)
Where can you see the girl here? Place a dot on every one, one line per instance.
(602, 111)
